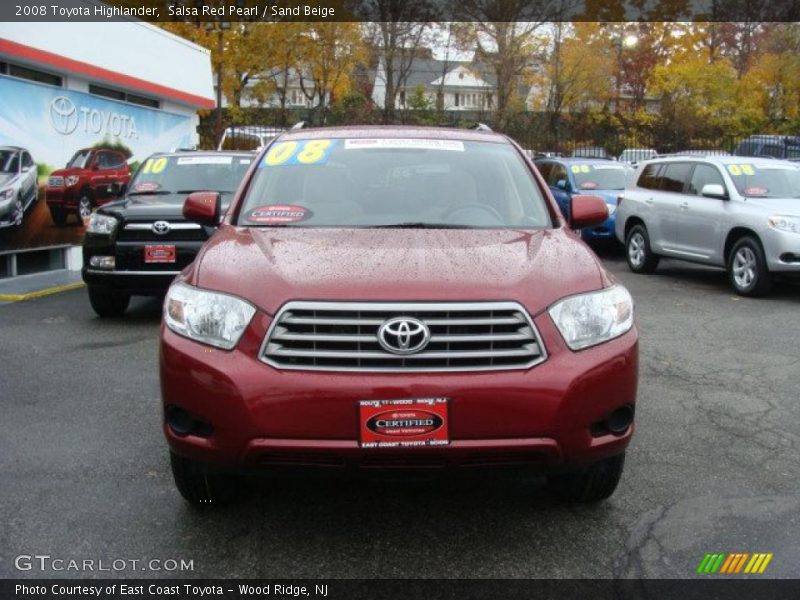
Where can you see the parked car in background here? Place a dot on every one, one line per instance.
(742, 214)
(92, 177)
(248, 137)
(384, 297)
(18, 185)
(136, 245)
(568, 177)
(772, 146)
(590, 152)
(635, 155)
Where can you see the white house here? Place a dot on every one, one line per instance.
(450, 84)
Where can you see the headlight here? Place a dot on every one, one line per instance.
(612, 208)
(589, 319)
(208, 317)
(785, 223)
(102, 224)
(6, 194)
(72, 180)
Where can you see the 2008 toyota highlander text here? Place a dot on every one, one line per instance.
(396, 297)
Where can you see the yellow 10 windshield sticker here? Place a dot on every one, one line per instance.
(579, 169)
(308, 152)
(154, 166)
(736, 170)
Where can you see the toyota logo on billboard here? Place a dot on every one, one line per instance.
(63, 115)
(404, 335)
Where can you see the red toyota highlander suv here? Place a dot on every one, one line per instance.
(396, 297)
(92, 177)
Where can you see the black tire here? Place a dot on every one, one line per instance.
(59, 216)
(85, 206)
(201, 487)
(747, 268)
(591, 483)
(108, 304)
(638, 253)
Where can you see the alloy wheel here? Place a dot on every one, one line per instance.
(744, 267)
(636, 249)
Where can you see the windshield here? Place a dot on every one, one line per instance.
(599, 177)
(185, 174)
(80, 160)
(393, 183)
(766, 180)
(9, 161)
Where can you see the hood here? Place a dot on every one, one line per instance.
(144, 208)
(783, 206)
(67, 172)
(271, 266)
(608, 196)
(7, 178)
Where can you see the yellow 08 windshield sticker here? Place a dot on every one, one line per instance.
(579, 169)
(737, 170)
(308, 152)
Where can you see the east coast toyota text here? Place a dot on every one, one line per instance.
(396, 297)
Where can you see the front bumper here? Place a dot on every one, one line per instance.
(131, 274)
(261, 416)
(601, 232)
(64, 198)
(782, 249)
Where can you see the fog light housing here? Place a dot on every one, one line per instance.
(103, 262)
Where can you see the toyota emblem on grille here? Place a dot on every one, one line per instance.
(161, 227)
(404, 335)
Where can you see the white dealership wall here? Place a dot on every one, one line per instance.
(129, 56)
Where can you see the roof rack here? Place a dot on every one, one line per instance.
(481, 127)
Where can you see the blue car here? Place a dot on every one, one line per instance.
(569, 177)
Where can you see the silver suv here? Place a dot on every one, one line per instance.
(735, 212)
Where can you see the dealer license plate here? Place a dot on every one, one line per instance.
(160, 254)
(403, 423)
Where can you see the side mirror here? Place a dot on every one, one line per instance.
(587, 211)
(204, 208)
(561, 184)
(714, 190)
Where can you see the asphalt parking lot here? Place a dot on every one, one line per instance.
(712, 468)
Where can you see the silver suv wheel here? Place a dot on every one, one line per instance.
(636, 249)
(744, 267)
(84, 208)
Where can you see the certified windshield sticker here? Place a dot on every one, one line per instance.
(304, 152)
(147, 186)
(579, 169)
(589, 185)
(205, 160)
(279, 213)
(245, 161)
(755, 191)
(403, 144)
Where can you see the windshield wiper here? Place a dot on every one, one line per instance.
(149, 193)
(421, 225)
(193, 191)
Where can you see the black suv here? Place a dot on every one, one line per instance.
(770, 146)
(137, 244)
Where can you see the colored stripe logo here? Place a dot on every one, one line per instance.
(734, 564)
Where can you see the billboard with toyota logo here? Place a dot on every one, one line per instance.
(59, 137)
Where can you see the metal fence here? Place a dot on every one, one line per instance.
(541, 133)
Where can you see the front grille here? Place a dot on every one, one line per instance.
(334, 336)
(55, 181)
(178, 232)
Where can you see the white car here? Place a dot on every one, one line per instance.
(18, 189)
